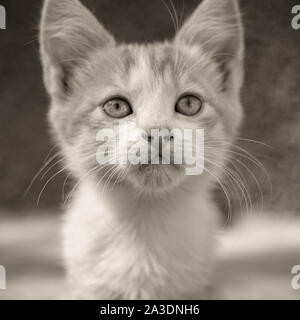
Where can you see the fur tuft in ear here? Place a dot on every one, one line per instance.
(216, 27)
(68, 33)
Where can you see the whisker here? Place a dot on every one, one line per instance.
(38, 173)
(106, 184)
(52, 166)
(64, 186)
(46, 184)
(254, 141)
(170, 12)
(182, 13)
(88, 174)
(254, 178)
(238, 181)
(175, 14)
(225, 193)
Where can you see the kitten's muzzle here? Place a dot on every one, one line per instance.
(166, 138)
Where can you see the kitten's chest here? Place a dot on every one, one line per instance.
(165, 251)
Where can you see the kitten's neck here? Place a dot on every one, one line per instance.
(125, 203)
(158, 240)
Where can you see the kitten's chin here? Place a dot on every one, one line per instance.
(156, 178)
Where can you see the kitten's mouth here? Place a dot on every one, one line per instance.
(155, 177)
(149, 168)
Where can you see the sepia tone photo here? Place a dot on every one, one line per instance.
(149, 150)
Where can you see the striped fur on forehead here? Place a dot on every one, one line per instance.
(153, 64)
(142, 67)
(168, 64)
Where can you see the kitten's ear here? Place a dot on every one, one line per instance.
(68, 33)
(216, 27)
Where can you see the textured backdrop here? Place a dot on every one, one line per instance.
(271, 94)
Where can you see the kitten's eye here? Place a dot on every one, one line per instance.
(189, 105)
(117, 108)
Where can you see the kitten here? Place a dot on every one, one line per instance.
(141, 231)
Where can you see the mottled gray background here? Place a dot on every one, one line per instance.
(271, 94)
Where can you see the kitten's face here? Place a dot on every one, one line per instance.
(176, 85)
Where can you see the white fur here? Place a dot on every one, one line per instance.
(123, 251)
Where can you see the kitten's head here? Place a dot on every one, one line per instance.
(190, 82)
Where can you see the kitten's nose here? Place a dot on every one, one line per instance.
(166, 137)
